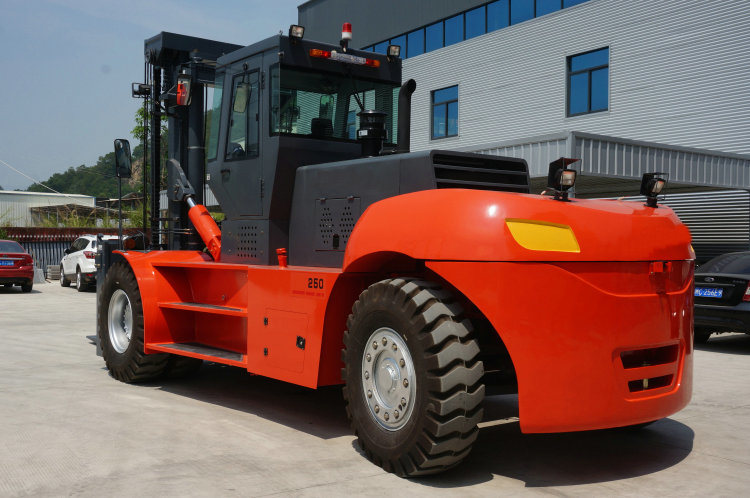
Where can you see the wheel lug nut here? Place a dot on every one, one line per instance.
(395, 413)
(401, 362)
(367, 375)
(385, 341)
(394, 347)
(403, 401)
(406, 383)
(375, 345)
(385, 416)
(377, 409)
(368, 357)
(369, 393)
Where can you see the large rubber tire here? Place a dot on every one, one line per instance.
(64, 282)
(179, 367)
(131, 364)
(27, 286)
(447, 396)
(81, 285)
(701, 335)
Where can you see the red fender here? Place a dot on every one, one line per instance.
(471, 225)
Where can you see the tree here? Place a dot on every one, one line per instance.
(138, 132)
(98, 180)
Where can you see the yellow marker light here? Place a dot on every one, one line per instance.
(537, 235)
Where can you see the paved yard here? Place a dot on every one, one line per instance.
(70, 429)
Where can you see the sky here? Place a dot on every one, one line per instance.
(66, 67)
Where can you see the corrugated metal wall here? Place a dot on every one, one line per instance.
(626, 158)
(538, 152)
(678, 76)
(14, 206)
(719, 222)
(616, 157)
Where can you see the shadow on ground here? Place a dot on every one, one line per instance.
(566, 459)
(16, 290)
(734, 343)
(501, 449)
(318, 412)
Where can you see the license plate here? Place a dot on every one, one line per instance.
(5, 262)
(708, 292)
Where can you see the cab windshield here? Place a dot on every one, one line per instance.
(325, 106)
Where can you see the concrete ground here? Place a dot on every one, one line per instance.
(68, 428)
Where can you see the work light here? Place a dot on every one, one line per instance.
(296, 31)
(394, 51)
(560, 179)
(653, 184)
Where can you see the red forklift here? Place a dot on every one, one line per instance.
(418, 280)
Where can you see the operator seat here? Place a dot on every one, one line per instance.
(321, 127)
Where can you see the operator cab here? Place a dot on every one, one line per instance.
(287, 102)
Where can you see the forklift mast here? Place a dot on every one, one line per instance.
(170, 57)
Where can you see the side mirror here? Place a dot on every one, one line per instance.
(67, 251)
(123, 168)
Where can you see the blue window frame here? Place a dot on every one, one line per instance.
(381, 48)
(547, 6)
(476, 22)
(433, 37)
(521, 10)
(498, 15)
(415, 43)
(588, 82)
(471, 23)
(445, 112)
(454, 30)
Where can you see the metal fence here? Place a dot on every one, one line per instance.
(46, 253)
(47, 245)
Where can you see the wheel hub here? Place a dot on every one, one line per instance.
(120, 320)
(388, 379)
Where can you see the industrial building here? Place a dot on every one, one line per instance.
(628, 87)
(26, 209)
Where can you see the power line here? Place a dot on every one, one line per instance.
(30, 178)
(33, 180)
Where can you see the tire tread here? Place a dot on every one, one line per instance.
(454, 390)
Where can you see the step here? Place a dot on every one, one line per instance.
(197, 350)
(205, 308)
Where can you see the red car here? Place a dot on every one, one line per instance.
(16, 266)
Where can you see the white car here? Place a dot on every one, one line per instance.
(78, 262)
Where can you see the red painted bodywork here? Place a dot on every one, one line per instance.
(565, 318)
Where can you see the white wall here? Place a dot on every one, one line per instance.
(679, 75)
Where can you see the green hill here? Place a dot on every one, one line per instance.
(98, 180)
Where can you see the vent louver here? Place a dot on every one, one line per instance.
(482, 172)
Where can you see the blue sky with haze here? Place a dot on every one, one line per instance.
(66, 67)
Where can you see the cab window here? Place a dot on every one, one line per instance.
(242, 138)
(213, 118)
(325, 106)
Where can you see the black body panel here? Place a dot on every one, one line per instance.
(330, 198)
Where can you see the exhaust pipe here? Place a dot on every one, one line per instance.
(404, 115)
